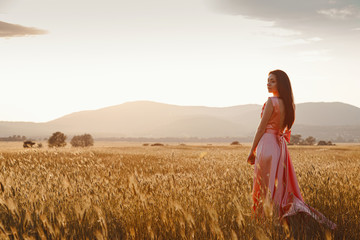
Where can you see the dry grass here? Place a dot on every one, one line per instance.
(169, 192)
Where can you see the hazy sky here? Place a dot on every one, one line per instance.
(62, 56)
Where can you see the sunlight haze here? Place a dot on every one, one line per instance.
(59, 57)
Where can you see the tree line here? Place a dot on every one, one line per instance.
(14, 138)
(296, 139)
(58, 139)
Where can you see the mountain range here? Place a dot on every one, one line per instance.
(322, 120)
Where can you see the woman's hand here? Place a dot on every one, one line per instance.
(251, 158)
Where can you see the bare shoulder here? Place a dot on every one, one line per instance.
(268, 107)
(266, 113)
(269, 103)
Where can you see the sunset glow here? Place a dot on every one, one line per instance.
(59, 57)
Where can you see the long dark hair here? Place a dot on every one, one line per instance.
(286, 94)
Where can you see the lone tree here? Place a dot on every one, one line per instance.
(295, 139)
(310, 140)
(85, 140)
(57, 140)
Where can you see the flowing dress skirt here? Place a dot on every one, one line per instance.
(275, 181)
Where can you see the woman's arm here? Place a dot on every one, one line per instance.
(261, 130)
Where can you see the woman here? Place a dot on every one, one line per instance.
(274, 179)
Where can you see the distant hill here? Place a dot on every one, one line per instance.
(156, 120)
(327, 114)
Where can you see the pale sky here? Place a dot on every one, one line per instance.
(63, 56)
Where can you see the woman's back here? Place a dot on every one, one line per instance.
(276, 121)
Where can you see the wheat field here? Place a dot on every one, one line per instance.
(130, 191)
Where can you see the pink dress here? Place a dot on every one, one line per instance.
(275, 178)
